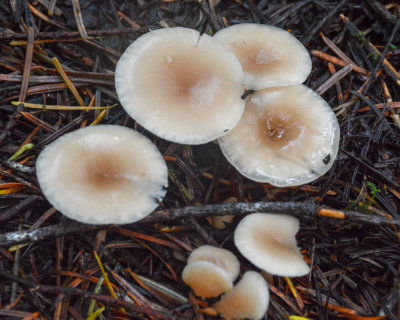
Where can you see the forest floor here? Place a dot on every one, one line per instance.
(349, 217)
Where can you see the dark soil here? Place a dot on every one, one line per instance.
(50, 271)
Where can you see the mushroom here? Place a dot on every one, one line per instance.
(180, 85)
(248, 299)
(270, 56)
(268, 241)
(210, 271)
(103, 174)
(287, 136)
(206, 279)
(220, 222)
(221, 257)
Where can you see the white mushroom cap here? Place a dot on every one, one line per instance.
(268, 241)
(287, 136)
(270, 56)
(206, 279)
(181, 86)
(103, 174)
(249, 299)
(221, 257)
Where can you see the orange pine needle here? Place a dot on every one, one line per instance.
(330, 213)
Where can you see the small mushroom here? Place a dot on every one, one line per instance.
(268, 241)
(221, 257)
(180, 85)
(249, 298)
(206, 279)
(103, 174)
(220, 222)
(270, 56)
(287, 136)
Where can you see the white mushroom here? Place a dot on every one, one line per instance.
(287, 136)
(221, 257)
(268, 241)
(249, 299)
(180, 85)
(270, 56)
(103, 174)
(206, 279)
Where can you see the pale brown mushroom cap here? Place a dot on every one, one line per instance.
(103, 174)
(270, 56)
(181, 86)
(287, 136)
(220, 222)
(268, 241)
(221, 257)
(249, 298)
(206, 279)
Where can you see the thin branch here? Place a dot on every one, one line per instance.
(301, 210)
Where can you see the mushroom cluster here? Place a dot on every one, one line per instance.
(288, 135)
(268, 241)
(211, 271)
(186, 87)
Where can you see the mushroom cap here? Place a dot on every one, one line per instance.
(103, 174)
(287, 136)
(221, 257)
(248, 299)
(220, 222)
(206, 279)
(270, 56)
(268, 241)
(180, 85)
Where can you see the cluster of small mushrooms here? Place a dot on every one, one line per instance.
(211, 271)
(242, 87)
(187, 87)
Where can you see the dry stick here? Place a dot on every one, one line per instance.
(301, 210)
(27, 65)
(16, 209)
(15, 270)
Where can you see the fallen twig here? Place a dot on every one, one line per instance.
(301, 210)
